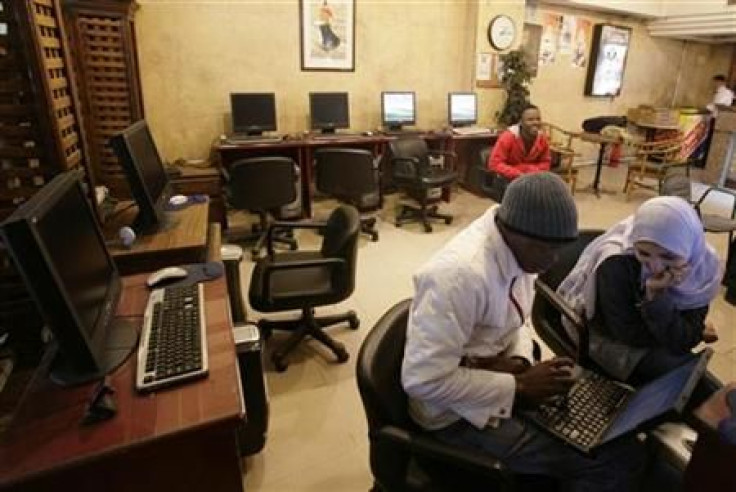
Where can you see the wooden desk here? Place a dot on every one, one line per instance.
(468, 148)
(183, 239)
(181, 439)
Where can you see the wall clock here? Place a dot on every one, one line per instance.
(501, 32)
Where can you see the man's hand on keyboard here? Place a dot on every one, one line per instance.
(543, 380)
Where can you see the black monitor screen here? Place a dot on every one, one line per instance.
(253, 113)
(329, 110)
(146, 175)
(462, 108)
(398, 108)
(77, 253)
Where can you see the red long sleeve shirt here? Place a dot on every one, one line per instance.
(510, 159)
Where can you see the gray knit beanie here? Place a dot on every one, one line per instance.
(540, 205)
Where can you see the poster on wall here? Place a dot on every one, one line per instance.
(550, 37)
(530, 40)
(567, 31)
(327, 35)
(583, 35)
(607, 60)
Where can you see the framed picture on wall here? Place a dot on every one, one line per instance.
(531, 39)
(327, 35)
(607, 60)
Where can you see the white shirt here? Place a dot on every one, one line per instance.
(723, 97)
(462, 307)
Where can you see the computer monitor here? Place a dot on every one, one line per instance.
(58, 248)
(253, 113)
(462, 108)
(329, 111)
(146, 175)
(398, 109)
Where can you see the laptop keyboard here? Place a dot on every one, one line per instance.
(584, 413)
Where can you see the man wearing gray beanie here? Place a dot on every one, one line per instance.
(468, 358)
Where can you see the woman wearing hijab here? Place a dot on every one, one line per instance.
(645, 286)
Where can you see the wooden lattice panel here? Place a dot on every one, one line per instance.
(24, 166)
(107, 87)
(45, 17)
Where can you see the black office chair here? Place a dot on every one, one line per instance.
(306, 279)
(546, 319)
(402, 455)
(261, 185)
(413, 172)
(350, 176)
(493, 185)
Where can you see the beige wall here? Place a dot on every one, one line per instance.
(194, 53)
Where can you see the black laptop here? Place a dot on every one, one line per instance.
(597, 409)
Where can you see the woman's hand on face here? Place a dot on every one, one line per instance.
(709, 333)
(669, 277)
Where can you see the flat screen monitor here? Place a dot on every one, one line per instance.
(329, 111)
(398, 109)
(462, 108)
(146, 175)
(58, 248)
(253, 113)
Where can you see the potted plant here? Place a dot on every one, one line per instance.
(515, 76)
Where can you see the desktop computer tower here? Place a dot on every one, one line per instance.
(249, 348)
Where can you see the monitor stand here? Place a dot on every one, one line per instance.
(327, 131)
(120, 342)
(395, 128)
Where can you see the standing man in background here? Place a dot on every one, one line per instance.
(722, 95)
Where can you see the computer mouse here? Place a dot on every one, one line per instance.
(165, 274)
(368, 133)
(177, 200)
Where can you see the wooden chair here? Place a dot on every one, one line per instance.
(652, 161)
(560, 144)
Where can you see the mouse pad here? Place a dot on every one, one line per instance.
(199, 272)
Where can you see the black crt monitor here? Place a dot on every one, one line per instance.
(398, 109)
(329, 111)
(462, 108)
(253, 113)
(58, 248)
(146, 175)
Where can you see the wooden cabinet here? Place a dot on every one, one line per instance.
(204, 181)
(102, 41)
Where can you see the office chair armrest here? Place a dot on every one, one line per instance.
(436, 153)
(429, 447)
(291, 226)
(333, 263)
(225, 174)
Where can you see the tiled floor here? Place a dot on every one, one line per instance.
(317, 437)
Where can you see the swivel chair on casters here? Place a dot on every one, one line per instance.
(413, 172)
(350, 176)
(261, 184)
(307, 279)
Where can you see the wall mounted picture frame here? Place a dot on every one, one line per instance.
(327, 35)
(531, 38)
(607, 60)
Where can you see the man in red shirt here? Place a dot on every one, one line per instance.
(522, 148)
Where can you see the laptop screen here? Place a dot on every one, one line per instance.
(668, 392)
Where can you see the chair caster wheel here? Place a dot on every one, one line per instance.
(427, 228)
(398, 224)
(374, 237)
(278, 362)
(448, 221)
(293, 247)
(353, 321)
(342, 354)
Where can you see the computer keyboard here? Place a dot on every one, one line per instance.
(255, 139)
(470, 130)
(583, 414)
(333, 136)
(173, 346)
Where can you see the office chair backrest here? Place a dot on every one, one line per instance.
(676, 184)
(345, 173)
(379, 370)
(409, 148)
(261, 183)
(341, 241)
(546, 320)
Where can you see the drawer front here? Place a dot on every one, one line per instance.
(208, 186)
